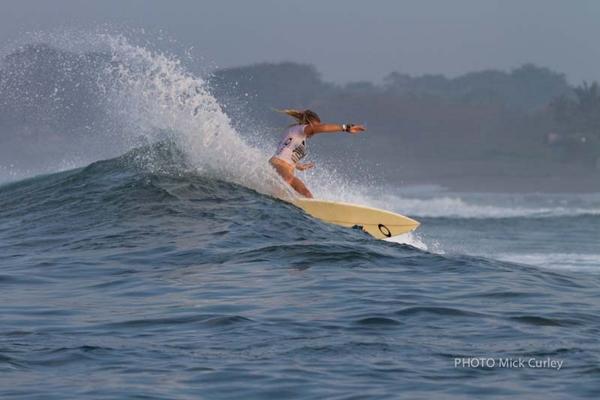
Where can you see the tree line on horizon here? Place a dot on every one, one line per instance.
(529, 112)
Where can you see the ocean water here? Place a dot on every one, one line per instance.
(168, 270)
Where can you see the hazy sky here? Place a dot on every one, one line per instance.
(351, 39)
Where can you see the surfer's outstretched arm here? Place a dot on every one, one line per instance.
(313, 129)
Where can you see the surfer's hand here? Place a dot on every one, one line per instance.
(357, 129)
(305, 166)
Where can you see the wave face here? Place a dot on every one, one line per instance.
(161, 267)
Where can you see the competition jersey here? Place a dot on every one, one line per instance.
(292, 147)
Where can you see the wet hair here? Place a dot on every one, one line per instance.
(302, 117)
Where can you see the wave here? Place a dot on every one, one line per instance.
(154, 194)
(158, 97)
(140, 96)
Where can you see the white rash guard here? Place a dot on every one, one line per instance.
(293, 146)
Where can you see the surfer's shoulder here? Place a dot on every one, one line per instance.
(308, 130)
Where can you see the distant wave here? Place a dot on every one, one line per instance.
(455, 207)
(559, 261)
(470, 206)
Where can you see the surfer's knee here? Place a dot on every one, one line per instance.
(301, 188)
(287, 178)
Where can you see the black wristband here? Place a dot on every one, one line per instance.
(348, 127)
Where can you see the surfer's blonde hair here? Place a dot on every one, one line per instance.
(302, 117)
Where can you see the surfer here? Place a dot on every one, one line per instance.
(293, 145)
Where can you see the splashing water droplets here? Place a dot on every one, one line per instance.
(160, 100)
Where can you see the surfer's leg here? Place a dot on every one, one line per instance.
(286, 171)
(301, 188)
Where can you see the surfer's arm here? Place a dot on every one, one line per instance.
(305, 166)
(313, 129)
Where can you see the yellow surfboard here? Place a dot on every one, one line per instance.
(380, 224)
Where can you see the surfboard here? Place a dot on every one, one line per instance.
(380, 224)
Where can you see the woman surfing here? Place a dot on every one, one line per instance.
(293, 145)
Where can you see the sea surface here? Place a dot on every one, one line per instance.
(169, 270)
(120, 282)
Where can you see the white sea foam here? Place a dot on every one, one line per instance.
(412, 239)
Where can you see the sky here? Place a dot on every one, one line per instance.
(347, 40)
